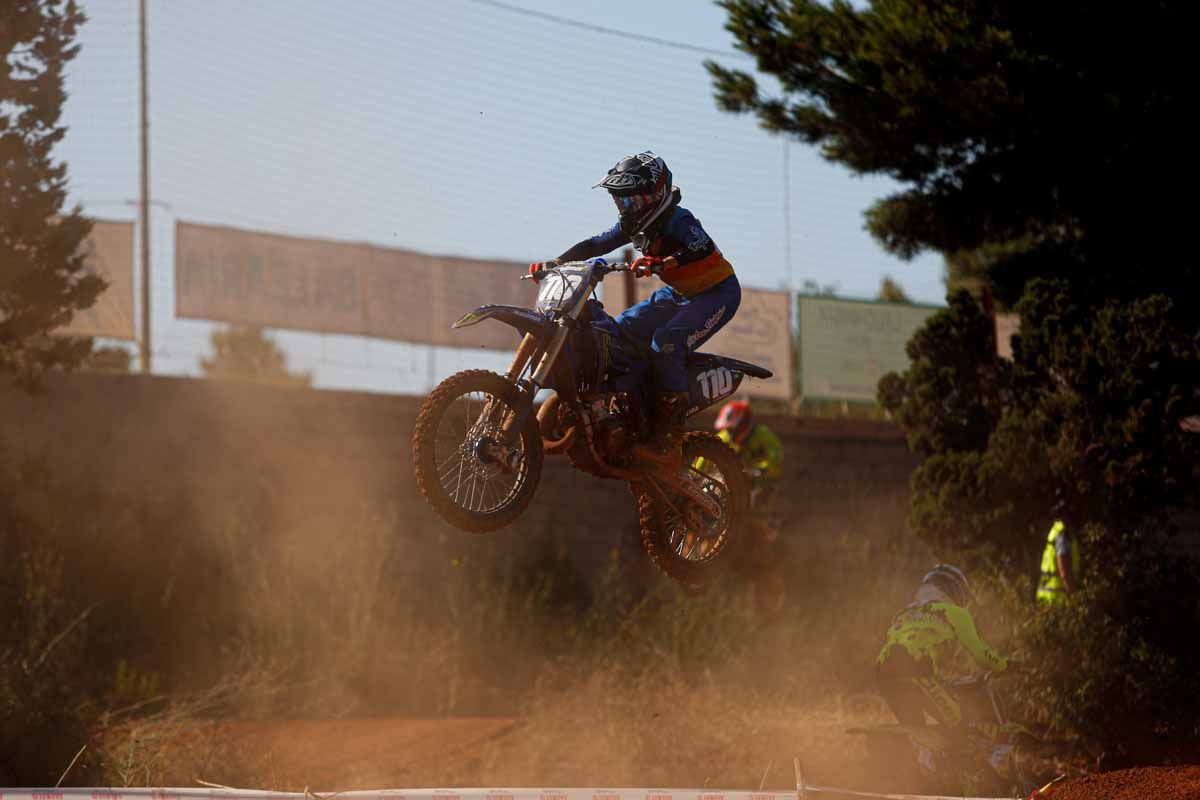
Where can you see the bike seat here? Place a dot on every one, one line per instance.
(710, 361)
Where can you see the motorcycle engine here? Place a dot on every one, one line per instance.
(611, 435)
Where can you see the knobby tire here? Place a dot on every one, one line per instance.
(424, 454)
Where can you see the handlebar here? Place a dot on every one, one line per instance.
(985, 678)
(600, 264)
(981, 679)
(970, 680)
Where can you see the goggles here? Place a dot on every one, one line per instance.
(632, 203)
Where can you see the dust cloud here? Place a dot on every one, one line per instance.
(281, 610)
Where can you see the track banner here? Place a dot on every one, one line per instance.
(109, 254)
(250, 278)
(803, 792)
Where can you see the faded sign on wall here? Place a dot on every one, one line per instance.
(270, 280)
(846, 346)
(109, 254)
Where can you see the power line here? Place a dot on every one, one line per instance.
(588, 26)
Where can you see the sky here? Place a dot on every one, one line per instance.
(457, 127)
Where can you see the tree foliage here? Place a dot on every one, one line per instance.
(809, 286)
(246, 353)
(1038, 163)
(890, 291)
(1003, 122)
(42, 276)
(110, 358)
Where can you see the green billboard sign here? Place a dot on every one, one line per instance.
(846, 346)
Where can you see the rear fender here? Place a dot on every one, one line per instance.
(712, 378)
(523, 319)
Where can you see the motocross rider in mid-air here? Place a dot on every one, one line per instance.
(702, 293)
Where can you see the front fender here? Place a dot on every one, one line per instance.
(523, 319)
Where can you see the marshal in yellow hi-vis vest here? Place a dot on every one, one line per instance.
(1052, 590)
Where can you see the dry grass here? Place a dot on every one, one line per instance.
(482, 673)
(220, 617)
(604, 730)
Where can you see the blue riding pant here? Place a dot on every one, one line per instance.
(676, 325)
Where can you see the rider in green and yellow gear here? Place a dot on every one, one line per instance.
(759, 447)
(917, 659)
(762, 459)
(922, 643)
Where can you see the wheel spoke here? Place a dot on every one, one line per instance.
(445, 476)
(691, 533)
(442, 471)
(458, 485)
(470, 432)
(471, 491)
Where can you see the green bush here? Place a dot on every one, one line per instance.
(1119, 665)
(1087, 413)
(45, 711)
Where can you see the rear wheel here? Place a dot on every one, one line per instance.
(475, 476)
(681, 539)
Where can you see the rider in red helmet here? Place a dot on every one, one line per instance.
(759, 447)
(736, 418)
(762, 458)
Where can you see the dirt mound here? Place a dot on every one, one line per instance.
(1142, 783)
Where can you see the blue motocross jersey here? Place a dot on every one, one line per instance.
(700, 264)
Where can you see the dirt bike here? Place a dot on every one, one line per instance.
(479, 441)
(983, 758)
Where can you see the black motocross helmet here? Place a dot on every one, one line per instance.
(951, 581)
(641, 187)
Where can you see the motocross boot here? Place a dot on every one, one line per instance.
(1001, 760)
(664, 448)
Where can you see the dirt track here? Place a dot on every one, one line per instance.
(338, 754)
(1160, 783)
(572, 749)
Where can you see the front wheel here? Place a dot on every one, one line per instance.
(683, 540)
(476, 473)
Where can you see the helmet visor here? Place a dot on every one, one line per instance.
(632, 205)
(731, 418)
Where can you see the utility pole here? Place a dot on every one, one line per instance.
(787, 215)
(795, 397)
(628, 283)
(144, 195)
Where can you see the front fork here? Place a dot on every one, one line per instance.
(525, 351)
(528, 352)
